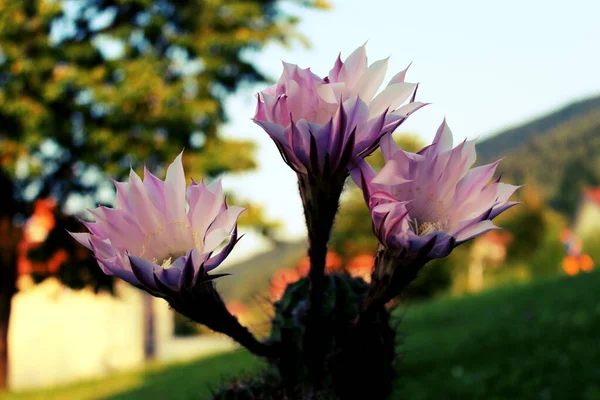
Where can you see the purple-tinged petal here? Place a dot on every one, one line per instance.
(400, 76)
(503, 207)
(151, 225)
(173, 276)
(367, 86)
(362, 174)
(221, 228)
(443, 139)
(175, 190)
(111, 262)
(313, 119)
(389, 147)
(393, 173)
(475, 179)
(355, 65)
(391, 98)
(446, 202)
(154, 188)
(335, 71)
(477, 229)
(217, 259)
(144, 271)
(82, 238)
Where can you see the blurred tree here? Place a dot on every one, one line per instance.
(9, 237)
(575, 177)
(527, 223)
(93, 87)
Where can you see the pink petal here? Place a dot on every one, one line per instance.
(474, 230)
(391, 174)
(370, 82)
(355, 65)
(400, 76)
(443, 138)
(221, 228)
(391, 97)
(335, 71)
(204, 206)
(82, 238)
(175, 190)
(154, 189)
(408, 109)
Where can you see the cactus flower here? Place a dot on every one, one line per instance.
(322, 125)
(152, 242)
(432, 201)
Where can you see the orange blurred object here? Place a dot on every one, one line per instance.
(570, 265)
(333, 263)
(303, 266)
(361, 266)
(36, 230)
(586, 263)
(281, 279)
(236, 308)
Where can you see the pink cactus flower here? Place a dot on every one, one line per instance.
(152, 242)
(322, 125)
(432, 200)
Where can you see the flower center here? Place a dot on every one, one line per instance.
(161, 242)
(425, 228)
(166, 264)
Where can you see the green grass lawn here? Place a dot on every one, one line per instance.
(538, 341)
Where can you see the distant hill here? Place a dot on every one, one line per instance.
(254, 275)
(558, 153)
(502, 143)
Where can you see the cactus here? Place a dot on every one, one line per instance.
(356, 363)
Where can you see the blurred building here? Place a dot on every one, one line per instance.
(488, 251)
(587, 218)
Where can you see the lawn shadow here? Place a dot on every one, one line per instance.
(194, 380)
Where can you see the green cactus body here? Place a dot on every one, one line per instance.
(356, 362)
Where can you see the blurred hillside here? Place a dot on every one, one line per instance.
(253, 276)
(558, 153)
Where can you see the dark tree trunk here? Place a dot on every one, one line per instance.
(6, 294)
(9, 238)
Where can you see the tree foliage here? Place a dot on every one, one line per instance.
(92, 88)
(105, 84)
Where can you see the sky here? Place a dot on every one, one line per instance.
(483, 65)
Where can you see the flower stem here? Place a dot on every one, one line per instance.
(235, 330)
(392, 273)
(204, 305)
(320, 199)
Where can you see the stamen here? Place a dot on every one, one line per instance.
(425, 228)
(166, 264)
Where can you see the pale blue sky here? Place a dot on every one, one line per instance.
(484, 65)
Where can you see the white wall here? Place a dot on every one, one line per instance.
(587, 221)
(58, 335)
